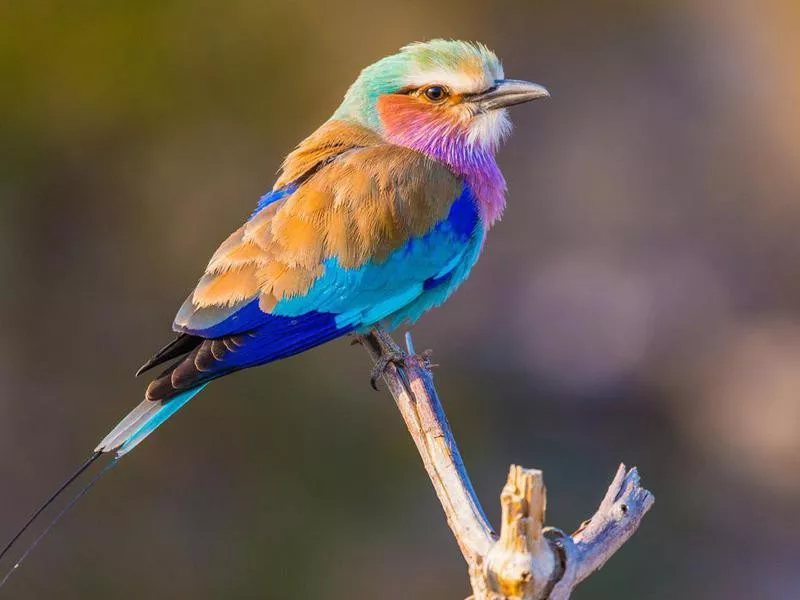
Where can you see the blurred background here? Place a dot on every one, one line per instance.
(640, 301)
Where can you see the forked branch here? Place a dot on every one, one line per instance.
(526, 561)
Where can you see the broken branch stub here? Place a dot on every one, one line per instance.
(521, 563)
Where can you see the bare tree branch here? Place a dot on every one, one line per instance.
(526, 561)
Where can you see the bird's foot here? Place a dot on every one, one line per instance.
(393, 357)
(425, 357)
(389, 352)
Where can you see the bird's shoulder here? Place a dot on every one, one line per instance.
(347, 193)
(356, 146)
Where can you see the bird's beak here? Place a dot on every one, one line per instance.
(508, 92)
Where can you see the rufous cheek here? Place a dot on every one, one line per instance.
(402, 115)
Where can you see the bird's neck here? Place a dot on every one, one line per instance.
(483, 175)
(475, 164)
(452, 143)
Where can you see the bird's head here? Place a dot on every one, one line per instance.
(440, 97)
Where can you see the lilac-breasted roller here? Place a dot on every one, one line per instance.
(376, 217)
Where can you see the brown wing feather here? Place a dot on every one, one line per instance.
(359, 200)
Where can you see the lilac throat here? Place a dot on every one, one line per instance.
(475, 163)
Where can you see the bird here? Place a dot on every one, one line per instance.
(375, 218)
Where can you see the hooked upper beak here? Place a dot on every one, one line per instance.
(508, 92)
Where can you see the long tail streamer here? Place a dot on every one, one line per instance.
(50, 500)
(63, 512)
(129, 433)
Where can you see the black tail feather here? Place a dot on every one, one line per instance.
(50, 500)
(63, 512)
(206, 361)
(183, 344)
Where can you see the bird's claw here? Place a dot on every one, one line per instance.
(394, 357)
(426, 357)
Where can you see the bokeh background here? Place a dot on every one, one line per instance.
(640, 301)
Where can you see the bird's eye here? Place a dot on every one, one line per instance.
(436, 93)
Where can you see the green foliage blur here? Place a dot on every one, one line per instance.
(639, 302)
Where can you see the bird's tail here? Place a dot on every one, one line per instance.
(129, 433)
(142, 421)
